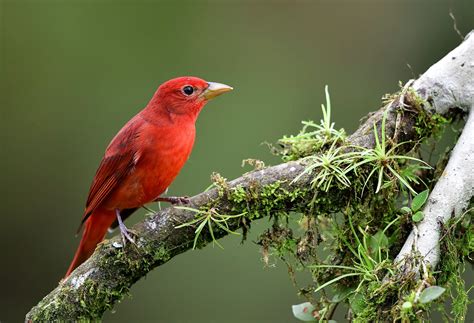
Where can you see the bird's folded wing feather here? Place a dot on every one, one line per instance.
(119, 159)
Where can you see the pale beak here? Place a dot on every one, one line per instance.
(215, 89)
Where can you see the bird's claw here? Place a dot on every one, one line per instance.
(125, 232)
(127, 235)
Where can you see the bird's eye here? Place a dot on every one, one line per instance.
(188, 90)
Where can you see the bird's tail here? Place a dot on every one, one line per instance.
(95, 229)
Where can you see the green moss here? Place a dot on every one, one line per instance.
(89, 305)
(267, 200)
(426, 124)
(98, 298)
(313, 137)
(457, 246)
(95, 298)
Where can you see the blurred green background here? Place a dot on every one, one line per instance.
(73, 72)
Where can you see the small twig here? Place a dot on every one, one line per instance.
(402, 105)
(455, 26)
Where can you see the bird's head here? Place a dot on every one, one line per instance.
(187, 95)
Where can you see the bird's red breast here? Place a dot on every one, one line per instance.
(155, 156)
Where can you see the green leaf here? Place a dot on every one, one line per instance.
(419, 200)
(357, 303)
(418, 216)
(304, 312)
(332, 281)
(378, 241)
(407, 305)
(431, 293)
(406, 210)
(341, 294)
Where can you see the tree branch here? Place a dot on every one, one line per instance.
(106, 277)
(450, 197)
(447, 84)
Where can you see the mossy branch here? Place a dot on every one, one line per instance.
(107, 276)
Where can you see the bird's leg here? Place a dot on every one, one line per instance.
(173, 199)
(123, 229)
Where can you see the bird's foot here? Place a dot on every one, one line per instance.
(127, 235)
(124, 231)
(174, 200)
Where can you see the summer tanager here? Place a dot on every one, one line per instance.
(143, 159)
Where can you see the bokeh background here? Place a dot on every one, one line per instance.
(73, 72)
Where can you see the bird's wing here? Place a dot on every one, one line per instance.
(120, 157)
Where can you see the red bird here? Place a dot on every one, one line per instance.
(143, 159)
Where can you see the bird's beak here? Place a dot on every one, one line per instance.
(215, 89)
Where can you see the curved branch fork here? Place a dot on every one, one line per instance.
(448, 84)
(107, 275)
